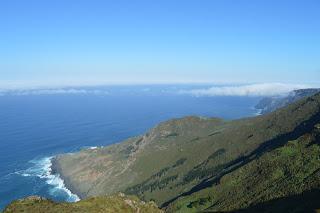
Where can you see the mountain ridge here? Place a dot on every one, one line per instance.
(185, 132)
(270, 104)
(207, 164)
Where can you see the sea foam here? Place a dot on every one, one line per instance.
(42, 168)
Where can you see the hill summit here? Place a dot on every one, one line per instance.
(268, 163)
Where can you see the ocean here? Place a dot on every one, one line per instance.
(39, 124)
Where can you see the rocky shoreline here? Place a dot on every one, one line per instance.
(56, 170)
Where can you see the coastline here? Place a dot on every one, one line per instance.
(56, 170)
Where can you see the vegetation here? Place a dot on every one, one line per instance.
(179, 162)
(270, 104)
(266, 183)
(111, 204)
(193, 164)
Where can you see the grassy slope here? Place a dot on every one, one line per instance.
(184, 157)
(111, 204)
(289, 170)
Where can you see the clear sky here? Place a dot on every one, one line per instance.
(87, 42)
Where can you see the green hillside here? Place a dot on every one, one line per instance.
(269, 163)
(105, 204)
(184, 155)
(291, 171)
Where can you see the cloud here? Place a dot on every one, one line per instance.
(70, 91)
(265, 89)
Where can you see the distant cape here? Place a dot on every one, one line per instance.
(270, 104)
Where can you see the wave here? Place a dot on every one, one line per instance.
(93, 147)
(42, 168)
(258, 112)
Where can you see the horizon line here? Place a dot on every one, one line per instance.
(29, 85)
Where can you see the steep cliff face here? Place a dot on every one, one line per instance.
(180, 158)
(270, 104)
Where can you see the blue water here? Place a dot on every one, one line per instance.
(35, 127)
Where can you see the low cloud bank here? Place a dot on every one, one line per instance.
(254, 90)
(53, 92)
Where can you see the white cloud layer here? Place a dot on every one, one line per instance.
(262, 90)
(53, 92)
(265, 89)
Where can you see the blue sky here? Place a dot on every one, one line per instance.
(91, 42)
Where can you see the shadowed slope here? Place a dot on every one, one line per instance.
(288, 170)
(307, 201)
(182, 157)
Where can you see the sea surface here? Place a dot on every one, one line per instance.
(36, 125)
